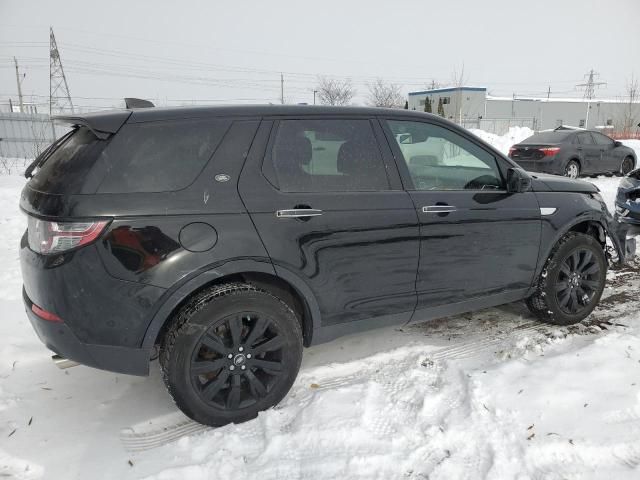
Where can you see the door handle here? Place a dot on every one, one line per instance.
(298, 213)
(439, 209)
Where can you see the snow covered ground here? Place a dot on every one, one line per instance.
(491, 394)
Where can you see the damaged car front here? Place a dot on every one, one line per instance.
(627, 214)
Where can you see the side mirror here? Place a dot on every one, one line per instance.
(518, 181)
(617, 144)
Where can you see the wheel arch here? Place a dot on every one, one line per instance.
(283, 284)
(574, 158)
(588, 223)
(633, 158)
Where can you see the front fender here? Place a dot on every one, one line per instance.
(572, 210)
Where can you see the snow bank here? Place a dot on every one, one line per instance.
(633, 143)
(488, 395)
(506, 141)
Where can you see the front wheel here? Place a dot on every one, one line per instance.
(572, 170)
(572, 281)
(626, 166)
(231, 352)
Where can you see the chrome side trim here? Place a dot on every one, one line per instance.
(298, 213)
(438, 209)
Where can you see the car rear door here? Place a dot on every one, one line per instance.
(477, 240)
(327, 201)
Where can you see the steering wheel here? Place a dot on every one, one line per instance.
(481, 182)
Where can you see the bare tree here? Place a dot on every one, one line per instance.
(458, 80)
(631, 112)
(335, 92)
(386, 95)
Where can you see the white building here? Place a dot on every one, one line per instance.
(473, 108)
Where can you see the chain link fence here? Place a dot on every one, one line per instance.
(22, 137)
(499, 126)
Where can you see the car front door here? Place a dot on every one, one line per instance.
(478, 241)
(589, 152)
(606, 148)
(328, 203)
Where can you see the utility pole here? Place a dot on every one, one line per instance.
(282, 89)
(549, 92)
(314, 96)
(19, 81)
(59, 96)
(590, 91)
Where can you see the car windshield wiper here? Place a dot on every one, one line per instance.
(44, 156)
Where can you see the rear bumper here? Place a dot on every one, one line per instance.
(541, 166)
(59, 338)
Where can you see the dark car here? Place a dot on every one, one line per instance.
(628, 204)
(573, 153)
(229, 238)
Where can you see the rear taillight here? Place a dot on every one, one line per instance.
(549, 151)
(55, 237)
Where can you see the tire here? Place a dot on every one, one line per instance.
(572, 170)
(231, 352)
(627, 165)
(577, 261)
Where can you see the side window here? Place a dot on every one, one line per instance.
(585, 139)
(440, 159)
(602, 139)
(160, 156)
(327, 155)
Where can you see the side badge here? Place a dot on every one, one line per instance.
(222, 177)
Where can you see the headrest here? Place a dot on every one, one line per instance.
(353, 157)
(294, 149)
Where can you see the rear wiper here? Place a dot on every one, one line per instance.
(42, 158)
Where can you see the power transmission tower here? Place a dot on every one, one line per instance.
(59, 96)
(19, 81)
(590, 91)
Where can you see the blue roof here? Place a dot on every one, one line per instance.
(450, 89)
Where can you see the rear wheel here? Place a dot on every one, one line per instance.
(232, 351)
(572, 170)
(626, 166)
(572, 281)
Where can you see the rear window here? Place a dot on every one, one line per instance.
(547, 137)
(160, 156)
(66, 168)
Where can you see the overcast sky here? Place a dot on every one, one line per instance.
(234, 51)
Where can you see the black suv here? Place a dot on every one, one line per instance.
(230, 237)
(573, 153)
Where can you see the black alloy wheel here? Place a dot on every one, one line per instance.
(578, 281)
(571, 282)
(231, 352)
(238, 361)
